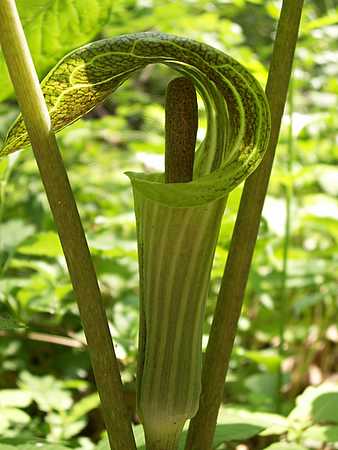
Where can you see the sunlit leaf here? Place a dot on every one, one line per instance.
(285, 446)
(43, 244)
(53, 28)
(47, 392)
(321, 434)
(14, 415)
(14, 232)
(318, 404)
(14, 397)
(40, 446)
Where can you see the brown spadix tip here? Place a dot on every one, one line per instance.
(181, 123)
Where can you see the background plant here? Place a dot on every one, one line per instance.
(127, 133)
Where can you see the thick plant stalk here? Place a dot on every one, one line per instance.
(229, 303)
(69, 226)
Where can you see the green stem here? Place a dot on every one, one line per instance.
(3, 186)
(230, 299)
(283, 298)
(4, 258)
(63, 206)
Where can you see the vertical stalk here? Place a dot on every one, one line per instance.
(3, 188)
(283, 298)
(63, 206)
(3, 185)
(230, 298)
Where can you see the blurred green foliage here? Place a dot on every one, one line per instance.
(47, 391)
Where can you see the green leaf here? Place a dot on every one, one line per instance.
(12, 233)
(328, 178)
(55, 27)
(9, 323)
(83, 406)
(26, 441)
(284, 446)
(325, 407)
(262, 387)
(235, 432)
(62, 428)
(14, 397)
(139, 436)
(40, 446)
(70, 423)
(103, 444)
(267, 358)
(14, 415)
(322, 434)
(317, 404)
(48, 392)
(236, 423)
(43, 244)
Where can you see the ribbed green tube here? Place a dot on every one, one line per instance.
(176, 249)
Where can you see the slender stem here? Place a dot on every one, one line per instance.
(283, 298)
(47, 338)
(230, 298)
(6, 257)
(63, 206)
(3, 186)
(3, 191)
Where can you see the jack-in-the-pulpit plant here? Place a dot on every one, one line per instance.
(177, 222)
